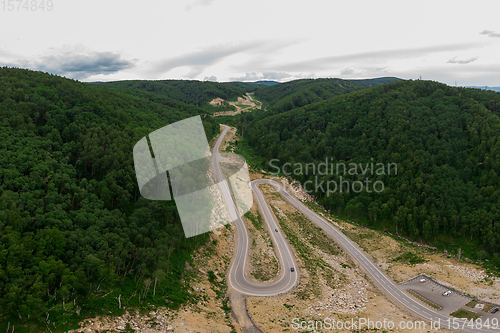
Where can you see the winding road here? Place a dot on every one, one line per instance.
(287, 279)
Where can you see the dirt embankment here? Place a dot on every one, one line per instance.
(243, 104)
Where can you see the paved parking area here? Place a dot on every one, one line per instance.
(489, 316)
(434, 293)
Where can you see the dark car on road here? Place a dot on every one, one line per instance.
(276, 230)
(292, 269)
(495, 310)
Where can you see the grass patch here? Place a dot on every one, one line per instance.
(310, 260)
(461, 313)
(256, 220)
(422, 299)
(265, 266)
(263, 272)
(471, 304)
(487, 307)
(410, 258)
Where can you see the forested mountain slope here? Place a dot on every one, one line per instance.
(445, 141)
(188, 91)
(250, 86)
(293, 94)
(74, 231)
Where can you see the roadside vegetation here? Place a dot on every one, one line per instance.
(410, 258)
(264, 265)
(461, 313)
(486, 307)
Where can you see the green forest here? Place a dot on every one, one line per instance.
(187, 91)
(294, 94)
(75, 234)
(444, 140)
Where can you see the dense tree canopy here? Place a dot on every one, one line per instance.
(74, 231)
(294, 94)
(187, 91)
(445, 141)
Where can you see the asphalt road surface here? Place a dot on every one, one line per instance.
(237, 278)
(288, 279)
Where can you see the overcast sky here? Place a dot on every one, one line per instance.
(227, 40)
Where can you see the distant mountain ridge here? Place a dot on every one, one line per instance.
(278, 96)
(497, 89)
(266, 83)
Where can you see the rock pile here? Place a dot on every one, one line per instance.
(471, 273)
(294, 188)
(155, 322)
(351, 299)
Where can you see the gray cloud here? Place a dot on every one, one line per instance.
(347, 71)
(211, 78)
(470, 75)
(199, 3)
(325, 63)
(78, 66)
(199, 60)
(462, 62)
(275, 75)
(489, 33)
(268, 75)
(5, 53)
(363, 72)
